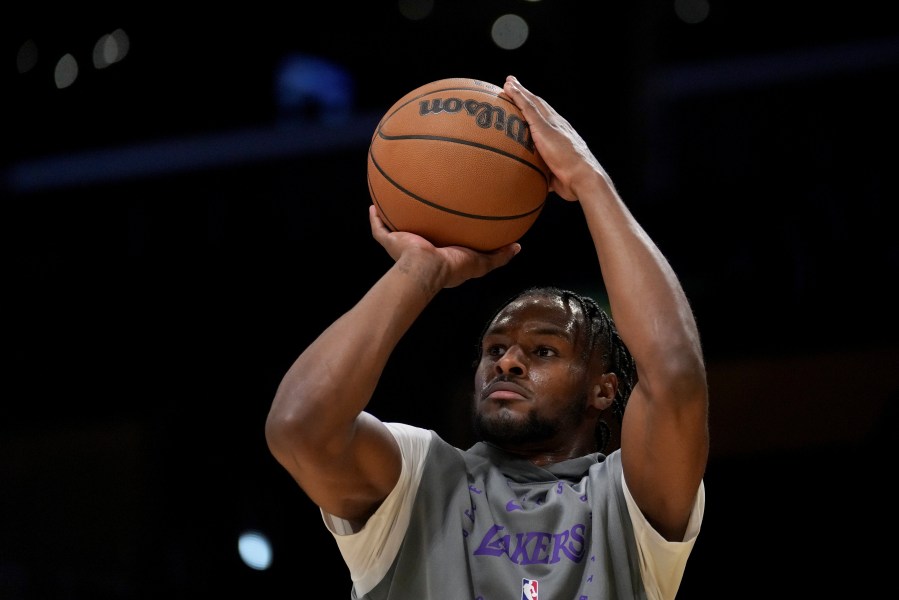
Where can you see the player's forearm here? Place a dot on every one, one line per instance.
(333, 380)
(648, 303)
(664, 437)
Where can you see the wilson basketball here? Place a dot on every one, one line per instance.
(454, 162)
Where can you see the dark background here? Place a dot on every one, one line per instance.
(173, 237)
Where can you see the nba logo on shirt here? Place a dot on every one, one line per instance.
(529, 589)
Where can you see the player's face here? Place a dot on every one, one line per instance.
(531, 383)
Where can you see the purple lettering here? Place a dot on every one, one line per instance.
(493, 547)
(570, 543)
(577, 543)
(541, 541)
(534, 547)
(558, 543)
(518, 554)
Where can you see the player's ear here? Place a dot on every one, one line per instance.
(604, 391)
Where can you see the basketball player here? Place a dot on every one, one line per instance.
(536, 508)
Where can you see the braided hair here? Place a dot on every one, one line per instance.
(601, 338)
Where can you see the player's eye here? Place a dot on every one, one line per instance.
(545, 352)
(495, 350)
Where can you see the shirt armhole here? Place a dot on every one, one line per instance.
(370, 551)
(662, 563)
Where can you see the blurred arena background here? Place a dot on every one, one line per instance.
(184, 209)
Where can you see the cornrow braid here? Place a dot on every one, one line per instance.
(601, 337)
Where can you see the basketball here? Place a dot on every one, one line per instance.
(453, 161)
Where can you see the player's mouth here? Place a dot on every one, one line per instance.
(501, 389)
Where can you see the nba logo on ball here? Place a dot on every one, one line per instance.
(529, 589)
(453, 162)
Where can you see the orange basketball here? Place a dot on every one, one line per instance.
(454, 162)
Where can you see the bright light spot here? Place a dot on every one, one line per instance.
(110, 48)
(26, 58)
(415, 10)
(66, 71)
(104, 51)
(509, 32)
(255, 551)
(123, 43)
(691, 11)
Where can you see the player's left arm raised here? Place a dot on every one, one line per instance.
(664, 438)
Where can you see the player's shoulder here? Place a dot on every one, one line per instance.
(410, 436)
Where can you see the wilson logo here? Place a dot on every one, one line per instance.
(485, 116)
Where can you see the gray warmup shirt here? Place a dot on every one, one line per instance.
(485, 525)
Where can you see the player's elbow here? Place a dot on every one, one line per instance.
(289, 430)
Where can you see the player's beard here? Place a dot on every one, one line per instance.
(505, 428)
